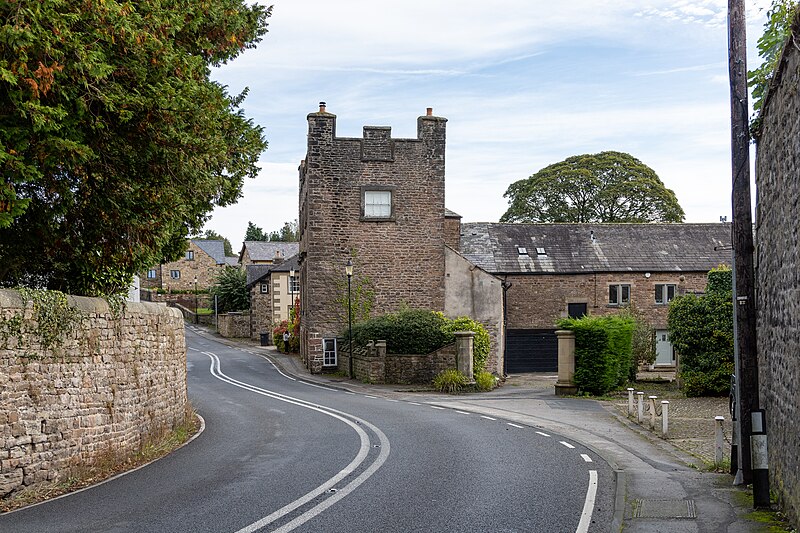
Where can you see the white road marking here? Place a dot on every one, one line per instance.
(437, 407)
(349, 469)
(542, 434)
(488, 417)
(370, 397)
(588, 505)
(390, 400)
(413, 403)
(463, 413)
(515, 425)
(350, 393)
(586, 458)
(567, 444)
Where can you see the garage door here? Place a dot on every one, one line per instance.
(531, 350)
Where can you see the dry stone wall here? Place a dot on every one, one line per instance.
(778, 277)
(99, 393)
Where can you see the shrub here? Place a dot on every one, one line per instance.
(451, 381)
(230, 288)
(407, 331)
(277, 335)
(602, 351)
(485, 381)
(481, 344)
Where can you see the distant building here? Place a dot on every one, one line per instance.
(203, 260)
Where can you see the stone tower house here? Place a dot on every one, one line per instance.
(379, 202)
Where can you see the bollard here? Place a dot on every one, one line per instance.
(640, 407)
(652, 411)
(718, 420)
(664, 418)
(630, 401)
(759, 459)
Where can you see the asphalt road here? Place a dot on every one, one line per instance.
(280, 454)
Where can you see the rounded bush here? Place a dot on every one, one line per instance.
(485, 381)
(451, 381)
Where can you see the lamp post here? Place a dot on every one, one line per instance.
(291, 291)
(349, 270)
(196, 321)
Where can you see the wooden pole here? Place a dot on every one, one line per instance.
(742, 239)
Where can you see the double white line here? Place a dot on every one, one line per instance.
(355, 423)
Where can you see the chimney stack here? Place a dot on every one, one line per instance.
(429, 112)
(322, 107)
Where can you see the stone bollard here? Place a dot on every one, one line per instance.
(718, 421)
(565, 386)
(640, 407)
(664, 418)
(464, 341)
(653, 413)
(630, 401)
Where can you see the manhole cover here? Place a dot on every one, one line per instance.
(664, 509)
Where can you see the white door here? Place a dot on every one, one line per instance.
(665, 354)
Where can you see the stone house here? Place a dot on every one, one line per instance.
(552, 271)
(266, 252)
(272, 289)
(203, 260)
(378, 202)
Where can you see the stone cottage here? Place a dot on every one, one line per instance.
(204, 260)
(272, 288)
(379, 202)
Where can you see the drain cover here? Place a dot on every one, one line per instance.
(664, 509)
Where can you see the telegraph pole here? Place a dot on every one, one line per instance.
(744, 308)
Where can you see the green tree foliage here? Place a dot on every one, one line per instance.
(777, 29)
(210, 234)
(230, 288)
(643, 341)
(603, 357)
(701, 330)
(481, 343)
(604, 187)
(288, 233)
(114, 142)
(254, 233)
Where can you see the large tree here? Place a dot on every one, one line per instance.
(115, 144)
(604, 187)
(255, 233)
(288, 233)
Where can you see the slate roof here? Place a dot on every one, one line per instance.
(266, 250)
(580, 248)
(231, 260)
(215, 249)
(256, 273)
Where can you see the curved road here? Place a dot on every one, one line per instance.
(279, 454)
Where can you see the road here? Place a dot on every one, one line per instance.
(281, 454)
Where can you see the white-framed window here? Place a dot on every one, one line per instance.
(619, 294)
(264, 288)
(175, 274)
(294, 284)
(190, 255)
(377, 203)
(664, 293)
(152, 274)
(329, 352)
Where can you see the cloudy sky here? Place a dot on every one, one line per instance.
(523, 84)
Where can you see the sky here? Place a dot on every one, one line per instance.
(523, 84)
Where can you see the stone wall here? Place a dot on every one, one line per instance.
(260, 312)
(398, 259)
(111, 385)
(236, 325)
(778, 277)
(538, 301)
(374, 365)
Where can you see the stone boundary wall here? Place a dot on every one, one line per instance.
(374, 365)
(101, 394)
(777, 279)
(235, 325)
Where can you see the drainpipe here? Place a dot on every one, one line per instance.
(506, 285)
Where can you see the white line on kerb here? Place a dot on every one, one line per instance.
(515, 425)
(567, 444)
(488, 417)
(588, 505)
(542, 434)
(586, 458)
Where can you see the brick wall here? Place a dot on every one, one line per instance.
(538, 301)
(402, 258)
(111, 385)
(777, 278)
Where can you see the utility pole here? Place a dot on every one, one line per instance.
(744, 308)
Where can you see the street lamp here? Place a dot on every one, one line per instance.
(291, 290)
(349, 270)
(196, 321)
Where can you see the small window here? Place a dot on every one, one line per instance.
(190, 255)
(377, 204)
(329, 352)
(175, 274)
(541, 251)
(522, 250)
(619, 294)
(264, 288)
(151, 274)
(577, 310)
(294, 284)
(664, 293)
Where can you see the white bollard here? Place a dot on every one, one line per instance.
(640, 407)
(630, 401)
(718, 420)
(664, 418)
(652, 411)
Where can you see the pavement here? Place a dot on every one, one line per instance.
(659, 487)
